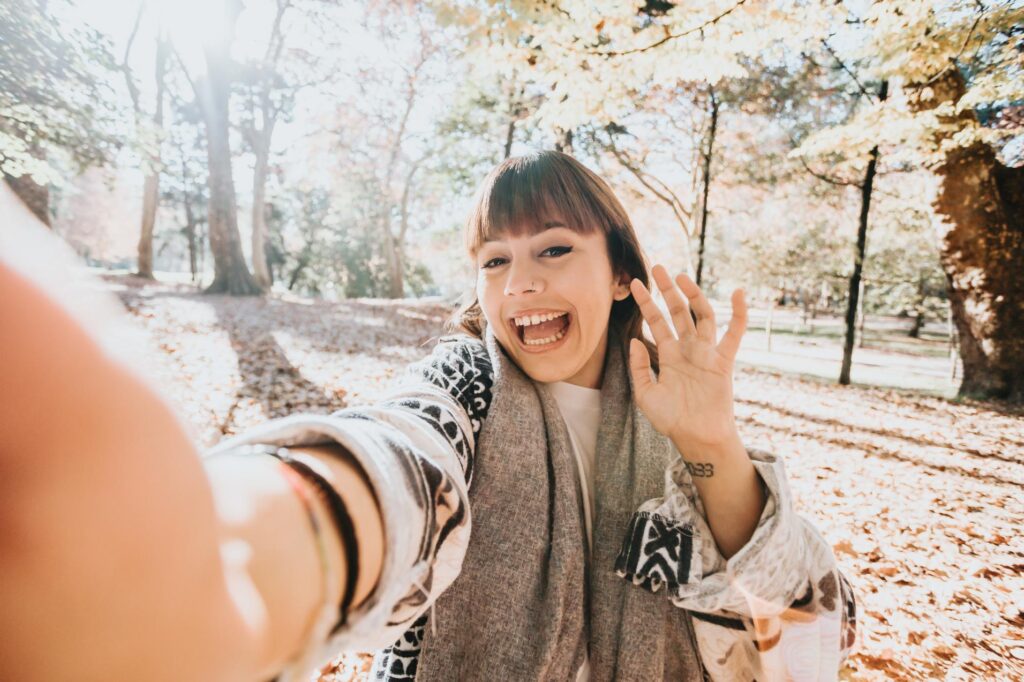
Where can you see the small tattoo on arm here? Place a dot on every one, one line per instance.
(701, 469)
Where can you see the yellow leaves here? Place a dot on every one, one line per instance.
(994, 87)
(17, 159)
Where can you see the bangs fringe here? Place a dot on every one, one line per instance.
(526, 195)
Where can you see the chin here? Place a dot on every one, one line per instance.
(536, 366)
(547, 375)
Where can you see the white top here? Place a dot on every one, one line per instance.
(581, 410)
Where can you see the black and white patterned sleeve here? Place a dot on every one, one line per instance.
(417, 447)
(777, 609)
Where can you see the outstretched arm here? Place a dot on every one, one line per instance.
(121, 556)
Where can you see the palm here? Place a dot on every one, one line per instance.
(691, 401)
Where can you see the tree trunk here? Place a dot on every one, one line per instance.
(230, 272)
(706, 180)
(299, 267)
(858, 260)
(150, 202)
(919, 299)
(853, 300)
(35, 197)
(564, 143)
(190, 235)
(151, 185)
(981, 248)
(260, 266)
(919, 323)
(509, 137)
(393, 258)
(861, 314)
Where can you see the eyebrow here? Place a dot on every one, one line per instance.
(551, 224)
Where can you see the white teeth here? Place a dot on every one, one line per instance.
(528, 320)
(541, 342)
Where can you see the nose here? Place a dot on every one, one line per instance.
(523, 279)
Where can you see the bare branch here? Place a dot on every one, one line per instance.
(825, 178)
(847, 69)
(184, 69)
(129, 78)
(967, 39)
(654, 185)
(672, 36)
(406, 192)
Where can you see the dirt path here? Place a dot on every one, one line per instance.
(921, 498)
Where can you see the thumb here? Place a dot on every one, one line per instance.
(640, 367)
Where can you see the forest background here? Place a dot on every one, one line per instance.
(331, 148)
(857, 166)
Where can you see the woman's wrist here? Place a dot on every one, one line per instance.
(345, 476)
(730, 489)
(714, 455)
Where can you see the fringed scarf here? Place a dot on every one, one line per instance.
(527, 605)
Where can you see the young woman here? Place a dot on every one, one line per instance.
(548, 496)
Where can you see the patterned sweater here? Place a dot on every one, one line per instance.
(778, 608)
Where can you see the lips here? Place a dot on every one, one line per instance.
(519, 332)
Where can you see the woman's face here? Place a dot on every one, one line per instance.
(548, 298)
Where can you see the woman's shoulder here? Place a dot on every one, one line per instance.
(460, 365)
(458, 354)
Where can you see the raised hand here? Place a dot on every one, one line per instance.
(691, 401)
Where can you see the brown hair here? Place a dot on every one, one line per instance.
(522, 195)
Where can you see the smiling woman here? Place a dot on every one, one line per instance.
(562, 283)
(646, 541)
(549, 236)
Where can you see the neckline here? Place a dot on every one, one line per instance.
(563, 390)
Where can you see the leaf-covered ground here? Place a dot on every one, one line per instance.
(920, 497)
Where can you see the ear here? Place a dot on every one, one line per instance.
(621, 291)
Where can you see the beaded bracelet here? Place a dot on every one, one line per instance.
(342, 522)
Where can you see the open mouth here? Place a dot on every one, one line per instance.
(535, 331)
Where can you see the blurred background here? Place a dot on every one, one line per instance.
(855, 165)
(275, 189)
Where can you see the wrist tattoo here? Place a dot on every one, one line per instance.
(701, 469)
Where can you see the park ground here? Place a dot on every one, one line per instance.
(920, 495)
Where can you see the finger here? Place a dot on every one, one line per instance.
(730, 344)
(640, 367)
(701, 307)
(655, 320)
(678, 308)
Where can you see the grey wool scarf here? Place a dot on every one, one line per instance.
(527, 604)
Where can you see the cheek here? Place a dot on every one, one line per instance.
(489, 303)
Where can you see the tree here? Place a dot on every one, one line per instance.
(58, 113)
(265, 101)
(902, 264)
(185, 184)
(388, 149)
(269, 86)
(707, 152)
(149, 127)
(213, 92)
(955, 59)
(602, 64)
(635, 150)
